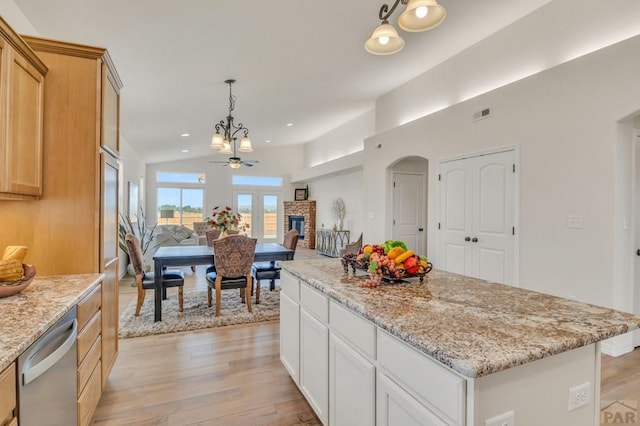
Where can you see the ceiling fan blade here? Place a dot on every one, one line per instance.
(220, 162)
(250, 162)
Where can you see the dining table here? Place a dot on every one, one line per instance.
(203, 255)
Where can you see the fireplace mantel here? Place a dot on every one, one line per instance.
(307, 209)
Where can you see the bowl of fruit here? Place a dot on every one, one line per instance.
(391, 262)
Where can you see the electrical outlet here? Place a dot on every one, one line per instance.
(579, 396)
(504, 419)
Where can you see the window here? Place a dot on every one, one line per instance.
(180, 198)
(256, 180)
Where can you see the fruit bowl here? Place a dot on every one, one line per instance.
(11, 288)
(386, 277)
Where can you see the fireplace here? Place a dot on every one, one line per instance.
(301, 216)
(297, 223)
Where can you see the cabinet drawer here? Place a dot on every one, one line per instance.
(88, 335)
(441, 390)
(88, 399)
(354, 329)
(89, 363)
(290, 285)
(315, 302)
(7, 392)
(88, 307)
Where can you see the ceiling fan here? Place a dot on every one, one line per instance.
(235, 162)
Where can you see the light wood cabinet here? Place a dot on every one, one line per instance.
(8, 399)
(22, 76)
(89, 374)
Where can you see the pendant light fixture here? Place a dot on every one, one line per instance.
(226, 130)
(419, 15)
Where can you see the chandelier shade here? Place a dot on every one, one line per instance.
(384, 40)
(421, 15)
(217, 141)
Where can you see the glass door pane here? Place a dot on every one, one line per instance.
(192, 206)
(244, 206)
(270, 217)
(168, 206)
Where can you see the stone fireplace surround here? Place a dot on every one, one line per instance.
(307, 209)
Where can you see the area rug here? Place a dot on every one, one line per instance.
(196, 314)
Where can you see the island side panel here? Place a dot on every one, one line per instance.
(538, 392)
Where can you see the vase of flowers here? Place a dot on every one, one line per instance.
(225, 219)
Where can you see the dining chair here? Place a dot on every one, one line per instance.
(271, 270)
(212, 235)
(145, 280)
(233, 232)
(233, 257)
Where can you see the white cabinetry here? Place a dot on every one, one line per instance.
(290, 325)
(396, 407)
(352, 385)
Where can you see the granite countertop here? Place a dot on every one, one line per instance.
(473, 326)
(28, 315)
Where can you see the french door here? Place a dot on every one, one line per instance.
(260, 210)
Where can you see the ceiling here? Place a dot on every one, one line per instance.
(295, 61)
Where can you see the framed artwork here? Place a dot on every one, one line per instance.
(300, 194)
(133, 201)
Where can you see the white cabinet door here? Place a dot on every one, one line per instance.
(314, 363)
(290, 336)
(351, 386)
(477, 216)
(395, 407)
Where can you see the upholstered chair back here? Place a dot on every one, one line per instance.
(135, 253)
(291, 239)
(233, 255)
(213, 234)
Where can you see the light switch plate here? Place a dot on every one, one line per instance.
(575, 222)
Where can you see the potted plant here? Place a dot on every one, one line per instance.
(139, 228)
(224, 219)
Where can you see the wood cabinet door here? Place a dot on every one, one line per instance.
(110, 113)
(23, 128)
(109, 319)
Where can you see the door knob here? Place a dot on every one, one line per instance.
(469, 239)
(474, 240)
(420, 229)
(638, 252)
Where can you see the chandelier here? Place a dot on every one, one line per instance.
(222, 141)
(419, 15)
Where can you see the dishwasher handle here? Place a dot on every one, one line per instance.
(34, 372)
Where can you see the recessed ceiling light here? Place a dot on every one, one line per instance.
(185, 150)
(289, 124)
(184, 135)
(267, 141)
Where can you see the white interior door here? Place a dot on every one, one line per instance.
(477, 213)
(408, 210)
(455, 216)
(260, 209)
(636, 265)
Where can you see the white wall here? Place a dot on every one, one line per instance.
(349, 188)
(341, 141)
(565, 123)
(557, 32)
(276, 161)
(15, 18)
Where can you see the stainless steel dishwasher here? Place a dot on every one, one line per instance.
(47, 388)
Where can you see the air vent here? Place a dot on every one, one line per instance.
(479, 115)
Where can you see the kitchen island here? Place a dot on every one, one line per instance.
(452, 351)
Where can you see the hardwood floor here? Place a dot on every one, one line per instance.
(232, 375)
